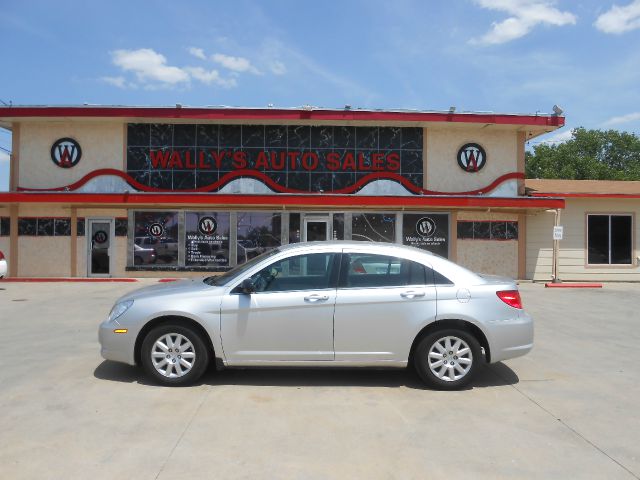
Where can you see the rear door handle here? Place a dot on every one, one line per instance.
(412, 294)
(316, 298)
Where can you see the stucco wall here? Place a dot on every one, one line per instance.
(44, 257)
(495, 257)
(487, 256)
(102, 146)
(572, 248)
(443, 172)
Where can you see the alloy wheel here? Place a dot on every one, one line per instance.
(450, 358)
(173, 355)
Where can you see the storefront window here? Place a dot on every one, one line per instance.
(338, 226)
(294, 228)
(374, 227)
(609, 239)
(257, 233)
(428, 231)
(156, 238)
(207, 239)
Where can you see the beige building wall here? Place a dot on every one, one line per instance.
(494, 257)
(102, 145)
(5, 241)
(442, 170)
(572, 257)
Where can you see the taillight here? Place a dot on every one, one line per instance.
(511, 298)
(1, 255)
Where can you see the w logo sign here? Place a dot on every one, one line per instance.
(425, 227)
(471, 157)
(207, 226)
(66, 152)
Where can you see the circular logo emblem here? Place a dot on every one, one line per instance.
(156, 230)
(100, 237)
(207, 226)
(425, 227)
(471, 157)
(66, 152)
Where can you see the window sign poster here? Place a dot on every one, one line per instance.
(428, 231)
(207, 239)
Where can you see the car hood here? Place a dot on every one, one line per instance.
(170, 288)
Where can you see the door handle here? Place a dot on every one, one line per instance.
(316, 298)
(412, 294)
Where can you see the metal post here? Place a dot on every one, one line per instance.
(556, 277)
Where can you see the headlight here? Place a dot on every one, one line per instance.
(119, 308)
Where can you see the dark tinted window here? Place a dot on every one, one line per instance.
(303, 272)
(440, 279)
(621, 239)
(365, 270)
(609, 239)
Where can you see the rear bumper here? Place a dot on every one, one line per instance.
(511, 338)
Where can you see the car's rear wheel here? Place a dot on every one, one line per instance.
(174, 355)
(447, 359)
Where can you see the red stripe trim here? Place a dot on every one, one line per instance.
(273, 185)
(258, 114)
(74, 279)
(281, 200)
(587, 195)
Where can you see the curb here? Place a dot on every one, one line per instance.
(573, 285)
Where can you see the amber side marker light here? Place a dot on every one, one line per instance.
(511, 298)
(120, 330)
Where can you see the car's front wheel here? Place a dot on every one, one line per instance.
(174, 354)
(447, 359)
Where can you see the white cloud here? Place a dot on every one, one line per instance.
(197, 52)
(235, 64)
(629, 117)
(525, 16)
(149, 65)
(152, 71)
(277, 67)
(559, 137)
(119, 82)
(209, 77)
(620, 19)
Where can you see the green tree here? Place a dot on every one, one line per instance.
(588, 155)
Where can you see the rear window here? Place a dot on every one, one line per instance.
(366, 270)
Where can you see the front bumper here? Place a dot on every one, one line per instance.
(118, 347)
(511, 338)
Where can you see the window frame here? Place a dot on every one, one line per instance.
(634, 259)
(342, 273)
(334, 274)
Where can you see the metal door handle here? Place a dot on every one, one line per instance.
(412, 294)
(316, 298)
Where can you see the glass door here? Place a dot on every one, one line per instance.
(99, 240)
(316, 229)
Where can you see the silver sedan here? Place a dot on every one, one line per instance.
(324, 304)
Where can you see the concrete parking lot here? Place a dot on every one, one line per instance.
(570, 409)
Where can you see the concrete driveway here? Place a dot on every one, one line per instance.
(567, 410)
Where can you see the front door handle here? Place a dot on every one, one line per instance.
(316, 298)
(412, 294)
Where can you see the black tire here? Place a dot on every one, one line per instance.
(200, 360)
(421, 360)
(137, 260)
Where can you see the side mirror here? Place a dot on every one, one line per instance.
(247, 286)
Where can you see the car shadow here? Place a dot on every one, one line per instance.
(494, 375)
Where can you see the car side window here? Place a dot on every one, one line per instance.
(367, 270)
(439, 279)
(312, 271)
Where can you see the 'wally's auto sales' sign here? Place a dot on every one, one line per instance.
(285, 157)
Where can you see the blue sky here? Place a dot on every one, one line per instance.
(480, 55)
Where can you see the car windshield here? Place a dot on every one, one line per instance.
(227, 277)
